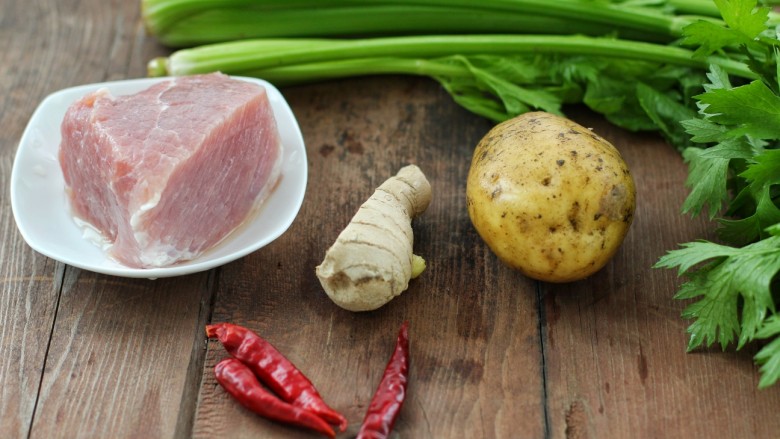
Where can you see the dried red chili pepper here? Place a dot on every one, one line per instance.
(391, 392)
(274, 369)
(239, 381)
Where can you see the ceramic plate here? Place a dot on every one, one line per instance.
(43, 217)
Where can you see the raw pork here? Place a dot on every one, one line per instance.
(165, 174)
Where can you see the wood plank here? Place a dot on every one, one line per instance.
(120, 355)
(494, 354)
(125, 355)
(476, 360)
(29, 282)
(615, 343)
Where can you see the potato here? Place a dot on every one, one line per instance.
(549, 197)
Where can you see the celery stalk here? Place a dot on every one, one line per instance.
(252, 55)
(698, 7)
(226, 24)
(162, 16)
(318, 71)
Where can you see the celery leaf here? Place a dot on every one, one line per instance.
(764, 172)
(707, 179)
(743, 16)
(709, 37)
(719, 276)
(702, 130)
(745, 230)
(751, 109)
(666, 112)
(769, 356)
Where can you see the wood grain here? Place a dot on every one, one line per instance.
(494, 354)
(119, 355)
(615, 343)
(83, 355)
(474, 327)
(29, 283)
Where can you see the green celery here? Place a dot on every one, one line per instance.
(252, 55)
(698, 7)
(734, 172)
(318, 71)
(162, 16)
(227, 24)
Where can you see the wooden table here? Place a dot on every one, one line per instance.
(495, 355)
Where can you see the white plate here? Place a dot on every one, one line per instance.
(43, 217)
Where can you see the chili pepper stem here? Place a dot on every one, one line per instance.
(211, 331)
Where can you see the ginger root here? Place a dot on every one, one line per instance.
(371, 261)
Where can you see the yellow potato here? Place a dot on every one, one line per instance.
(550, 197)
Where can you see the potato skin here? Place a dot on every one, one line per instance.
(550, 197)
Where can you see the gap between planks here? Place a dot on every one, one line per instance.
(194, 377)
(543, 355)
(193, 380)
(60, 270)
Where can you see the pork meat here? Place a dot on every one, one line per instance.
(166, 174)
